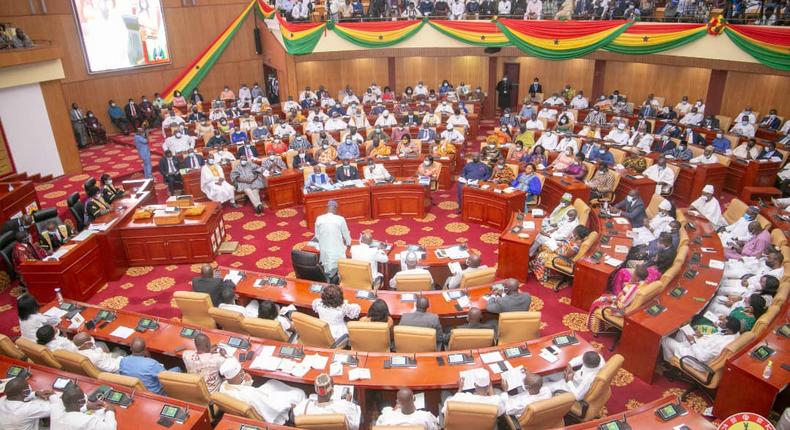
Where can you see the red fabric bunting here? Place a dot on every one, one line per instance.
(649, 28)
(297, 26)
(772, 35)
(472, 26)
(559, 29)
(376, 26)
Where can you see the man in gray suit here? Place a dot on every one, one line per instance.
(631, 208)
(422, 318)
(207, 283)
(510, 300)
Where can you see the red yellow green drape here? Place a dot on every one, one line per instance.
(478, 33)
(376, 34)
(300, 38)
(769, 45)
(265, 10)
(647, 38)
(560, 40)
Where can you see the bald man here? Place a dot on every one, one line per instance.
(104, 360)
(364, 251)
(474, 319)
(142, 367)
(205, 360)
(578, 375)
(207, 283)
(509, 299)
(422, 318)
(22, 408)
(532, 391)
(406, 414)
(411, 269)
(472, 265)
(69, 414)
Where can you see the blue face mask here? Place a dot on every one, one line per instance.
(748, 217)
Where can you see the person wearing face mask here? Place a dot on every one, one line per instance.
(315, 125)
(303, 159)
(95, 129)
(213, 184)
(407, 147)
(558, 213)
(21, 223)
(453, 135)
(376, 172)
(602, 182)
(346, 172)
(721, 144)
(771, 121)
(681, 152)
(178, 142)
(747, 150)
(22, 408)
(769, 152)
(110, 192)
(299, 143)
(743, 128)
(708, 156)
(490, 152)
(708, 206)
(78, 126)
(474, 171)
(429, 169)
(443, 108)
(118, 118)
(553, 237)
(277, 146)
(335, 123)
(72, 411)
(195, 115)
(348, 150)
(693, 118)
(55, 235)
(326, 153)
(739, 230)
(528, 182)
(95, 206)
(385, 120)
(548, 140)
(149, 112)
(273, 164)
(595, 117)
(658, 224)
(223, 155)
(170, 169)
(502, 173)
(547, 113)
(217, 115)
(249, 179)
(193, 160)
(205, 129)
(284, 129)
(442, 148)
(172, 121)
(662, 175)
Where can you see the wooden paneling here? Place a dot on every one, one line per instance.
(335, 75)
(761, 92)
(637, 80)
(553, 75)
(471, 70)
(61, 127)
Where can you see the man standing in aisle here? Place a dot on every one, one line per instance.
(333, 237)
(504, 89)
(143, 150)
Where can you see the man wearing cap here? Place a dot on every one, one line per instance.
(322, 403)
(707, 157)
(333, 237)
(410, 261)
(618, 136)
(739, 230)
(631, 208)
(273, 400)
(578, 376)
(483, 393)
(405, 413)
(551, 237)
(657, 225)
(558, 214)
(662, 175)
(708, 206)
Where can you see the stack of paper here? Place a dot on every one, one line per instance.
(55, 312)
(316, 361)
(234, 276)
(122, 332)
(514, 377)
(358, 374)
(613, 261)
(99, 226)
(266, 362)
(716, 264)
(528, 225)
(621, 220)
(509, 190)
(456, 253)
(538, 212)
(84, 234)
(491, 357)
(469, 377)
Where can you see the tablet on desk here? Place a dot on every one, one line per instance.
(762, 352)
(670, 411)
(169, 411)
(188, 332)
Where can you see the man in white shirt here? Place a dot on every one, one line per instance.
(178, 142)
(504, 7)
(547, 113)
(658, 224)
(641, 140)
(472, 265)
(452, 135)
(739, 230)
(457, 9)
(662, 175)
(708, 206)
(171, 121)
(443, 108)
(374, 255)
(618, 136)
(533, 391)
(743, 128)
(317, 112)
(579, 101)
(554, 100)
(747, 112)
(229, 303)
(577, 382)
(385, 120)
(307, 94)
(420, 89)
(321, 403)
(103, 360)
(551, 236)
(548, 140)
(376, 172)
(333, 237)
(410, 261)
(70, 412)
(534, 123)
(350, 98)
(273, 400)
(315, 125)
(335, 123)
(457, 120)
(703, 348)
(683, 107)
(483, 393)
(692, 118)
(22, 408)
(708, 156)
(370, 97)
(406, 414)
(567, 142)
(290, 104)
(283, 129)
(746, 150)
(50, 337)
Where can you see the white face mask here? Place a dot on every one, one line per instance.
(210, 161)
(243, 162)
(109, 182)
(629, 198)
(426, 162)
(271, 157)
(30, 396)
(326, 146)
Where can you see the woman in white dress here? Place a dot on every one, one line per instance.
(334, 310)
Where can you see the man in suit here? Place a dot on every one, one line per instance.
(504, 89)
(207, 283)
(771, 122)
(346, 172)
(535, 87)
(632, 208)
(509, 299)
(474, 320)
(55, 235)
(193, 160)
(422, 318)
(642, 122)
(133, 113)
(169, 167)
(248, 150)
(303, 159)
(426, 133)
(663, 145)
(711, 122)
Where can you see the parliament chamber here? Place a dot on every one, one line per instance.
(249, 214)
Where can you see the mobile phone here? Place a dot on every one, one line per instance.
(440, 361)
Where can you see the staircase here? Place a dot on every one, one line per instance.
(23, 176)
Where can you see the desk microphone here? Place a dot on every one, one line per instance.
(131, 396)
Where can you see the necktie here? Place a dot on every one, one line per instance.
(248, 152)
(170, 166)
(133, 110)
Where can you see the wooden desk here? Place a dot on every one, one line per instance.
(750, 174)
(644, 417)
(232, 422)
(640, 342)
(436, 265)
(195, 241)
(490, 206)
(407, 168)
(513, 256)
(352, 203)
(143, 412)
(630, 180)
(21, 200)
(555, 186)
(691, 179)
(772, 214)
(191, 181)
(285, 190)
(399, 200)
(743, 370)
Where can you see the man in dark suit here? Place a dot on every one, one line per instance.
(133, 113)
(771, 122)
(169, 167)
(711, 122)
(473, 320)
(248, 150)
(193, 160)
(663, 145)
(504, 89)
(535, 87)
(303, 159)
(642, 122)
(509, 299)
(207, 283)
(346, 172)
(410, 119)
(426, 133)
(632, 208)
(422, 318)
(670, 129)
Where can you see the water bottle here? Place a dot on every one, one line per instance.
(10, 187)
(59, 296)
(768, 370)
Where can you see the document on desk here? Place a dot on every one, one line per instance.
(464, 302)
(358, 374)
(528, 225)
(234, 276)
(300, 370)
(508, 190)
(316, 361)
(514, 377)
(621, 249)
(621, 220)
(538, 212)
(84, 234)
(687, 330)
(469, 377)
(456, 253)
(612, 261)
(336, 369)
(455, 267)
(59, 253)
(99, 226)
(419, 401)
(122, 332)
(266, 362)
(716, 264)
(55, 312)
(491, 357)
(707, 250)
(340, 392)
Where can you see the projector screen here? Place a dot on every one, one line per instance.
(121, 34)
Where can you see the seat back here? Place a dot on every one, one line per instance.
(778, 238)
(7, 241)
(643, 295)
(463, 416)
(8, 348)
(90, 183)
(470, 338)
(724, 122)
(307, 172)
(75, 362)
(264, 329)
(42, 217)
(735, 210)
(233, 406)
(321, 422)
(194, 308)
(766, 319)
(38, 354)
(189, 387)
(652, 208)
(77, 209)
(414, 339)
(312, 331)
(585, 246)
(414, 282)
(590, 170)
(518, 327)
(781, 296)
(369, 336)
(582, 211)
(478, 277)
(600, 391)
(547, 414)
(227, 320)
(306, 266)
(126, 381)
(397, 428)
(355, 274)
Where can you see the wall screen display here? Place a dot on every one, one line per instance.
(121, 34)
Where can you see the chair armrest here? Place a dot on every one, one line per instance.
(566, 267)
(292, 337)
(341, 342)
(613, 311)
(584, 405)
(709, 373)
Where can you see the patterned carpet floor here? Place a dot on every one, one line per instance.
(265, 242)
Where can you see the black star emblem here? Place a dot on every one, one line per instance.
(482, 37)
(292, 35)
(645, 38)
(556, 41)
(381, 37)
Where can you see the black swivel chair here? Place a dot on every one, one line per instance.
(307, 266)
(77, 209)
(7, 241)
(42, 217)
(90, 183)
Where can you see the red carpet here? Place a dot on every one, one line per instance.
(265, 244)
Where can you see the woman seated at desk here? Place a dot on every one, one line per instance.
(332, 309)
(110, 192)
(378, 149)
(502, 173)
(443, 148)
(406, 148)
(429, 169)
(528, 182)
(568, 249)
(516, 153)
(564, 160)
(537, 157)
(620, 300)
(578, 170)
